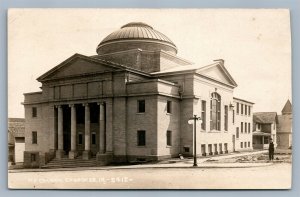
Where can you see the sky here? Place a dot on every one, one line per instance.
(255, 44)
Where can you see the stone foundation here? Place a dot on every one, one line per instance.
(104, 159)
(86, 155)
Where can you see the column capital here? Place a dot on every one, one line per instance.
(57, 106)
(101, 103)
(85, 104)
(71, 105)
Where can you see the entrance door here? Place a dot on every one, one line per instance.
(233, 142)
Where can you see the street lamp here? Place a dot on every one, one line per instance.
(195, 118)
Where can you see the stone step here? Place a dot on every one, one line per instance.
(70, 163)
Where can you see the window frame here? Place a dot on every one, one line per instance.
(34, 112)
(169, 138)
(141, 133)
(93, 134)
(34, 137)
(139, 108)
(215, 111)
(80, 138)
(226, 117)
(203, 115)
(169, 107)
(242, 127)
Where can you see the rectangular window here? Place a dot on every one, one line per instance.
(237, 133)
(241, 144)
(34, 137)
(169, 138)
(242, 109)
(246, 109)
(203, 115)
(245, 144)
(80, 139)
(249, 144)
(226, 147)
(169, 107)
(34, 112)
(141, 106)
(249, 128)
(245, 127)
(242, 127)
(93, 138)
(141, 138)
(226, 118)
(186, 149)
(33, 157)
(249, 110)
(233, 114)
(258, 126)
(237, 108)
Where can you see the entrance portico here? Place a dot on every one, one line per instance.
(81, 130)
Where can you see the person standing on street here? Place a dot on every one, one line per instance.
(271, 150)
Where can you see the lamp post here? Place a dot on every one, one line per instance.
(195, 118)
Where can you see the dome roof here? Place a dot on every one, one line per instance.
(137, 32)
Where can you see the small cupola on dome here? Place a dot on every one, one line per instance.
(136, 35)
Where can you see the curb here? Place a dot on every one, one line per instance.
(137, 168)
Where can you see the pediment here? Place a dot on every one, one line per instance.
(217, 72)
(76, 65)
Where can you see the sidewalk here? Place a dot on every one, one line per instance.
(171, 163)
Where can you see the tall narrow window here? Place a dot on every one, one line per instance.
(226, 118)
(141, 138)
(93, 138)
(233, 114)
(141, 106)
(249, 110)
(34, 112)
(242, 127)
(241, 144)
(169, 138)
(242, 109)
(237, 108)
(203, 115)
(80, 140)
(237, 133)
(169, 107)
(249, 127)
(246, 127)
(34, 137)
(246, 107)
(215, 111)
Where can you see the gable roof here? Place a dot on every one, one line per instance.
(109, 64)
(265, 117)
(200, 70)
(16, 126)
(287, 109)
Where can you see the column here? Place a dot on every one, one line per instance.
(87, 143)
(73, 153)
(60, 136)
(102, 128)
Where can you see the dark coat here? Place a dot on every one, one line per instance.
(271, 147)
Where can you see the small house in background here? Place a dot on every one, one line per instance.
(264, 129)
(16, 140)
(284, 127)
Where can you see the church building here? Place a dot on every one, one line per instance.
(132, 102)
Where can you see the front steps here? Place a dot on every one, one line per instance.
(71, 163)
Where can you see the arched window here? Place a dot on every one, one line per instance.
(215, 111)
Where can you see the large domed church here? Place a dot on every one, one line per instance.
(132, 102)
